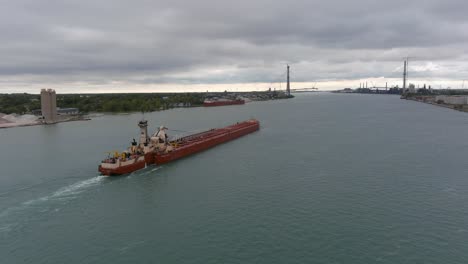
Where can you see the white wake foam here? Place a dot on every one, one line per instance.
(68, 191)
(155, 169)
(65, 193)
(147, 172)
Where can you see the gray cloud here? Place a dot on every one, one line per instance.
(208, 41)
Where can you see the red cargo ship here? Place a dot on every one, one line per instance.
(223, 102)
(118, 166)
(201, 141)
(136, 157)
(159, 149)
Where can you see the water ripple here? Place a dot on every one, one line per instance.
(63, 194)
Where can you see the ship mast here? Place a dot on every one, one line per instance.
(143, 124)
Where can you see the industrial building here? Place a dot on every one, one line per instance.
(49, 110)
(49, 106)
(68, 111)
(452, 99)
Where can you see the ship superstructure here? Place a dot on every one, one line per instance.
(159, 149)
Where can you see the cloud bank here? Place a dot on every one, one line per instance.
(143, 45)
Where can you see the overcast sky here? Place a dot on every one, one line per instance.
(133, 46)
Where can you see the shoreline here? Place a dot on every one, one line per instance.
(248, 97)
(460, 108)
(38, 123)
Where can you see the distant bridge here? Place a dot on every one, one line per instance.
(377, 88)
(303, 90)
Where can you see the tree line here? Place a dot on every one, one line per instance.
(25, 103)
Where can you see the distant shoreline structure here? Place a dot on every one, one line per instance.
(75, 107)
(454, 102)
(7, 124)
(48, 114)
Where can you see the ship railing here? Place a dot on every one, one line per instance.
(213, 132)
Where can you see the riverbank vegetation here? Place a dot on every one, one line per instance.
(125, 102)
(115, 103)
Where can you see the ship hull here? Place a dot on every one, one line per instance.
(205, 140)
(181, 148)
(149, 158)
(223, 103)
(121, 168)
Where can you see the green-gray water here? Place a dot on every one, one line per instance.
(329, 178)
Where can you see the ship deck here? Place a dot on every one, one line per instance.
(202, 136)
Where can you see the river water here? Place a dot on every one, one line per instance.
(329, 178)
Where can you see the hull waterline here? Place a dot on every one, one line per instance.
(168, 151)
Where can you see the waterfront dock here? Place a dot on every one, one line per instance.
(459, 103)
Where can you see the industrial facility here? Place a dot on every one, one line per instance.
(49, 106)
(50, 112)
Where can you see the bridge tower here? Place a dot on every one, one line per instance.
(288, 88)
(404, 74)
